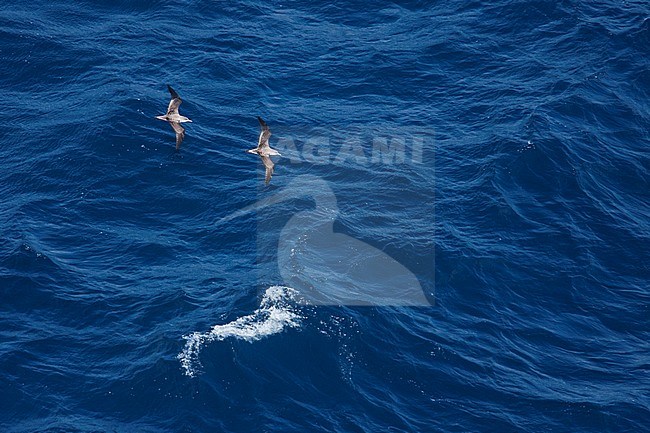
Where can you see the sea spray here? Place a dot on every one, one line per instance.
(277, 311)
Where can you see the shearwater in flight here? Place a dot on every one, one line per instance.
(174, 118)
(264, 150)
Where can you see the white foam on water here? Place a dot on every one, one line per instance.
(277, 311)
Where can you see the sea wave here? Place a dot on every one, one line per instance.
(277, 311)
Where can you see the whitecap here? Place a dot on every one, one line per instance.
(277, 311)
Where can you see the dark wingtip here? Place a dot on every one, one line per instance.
(172, 92)
(262, 122)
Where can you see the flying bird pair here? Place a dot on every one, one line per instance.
(263, 149)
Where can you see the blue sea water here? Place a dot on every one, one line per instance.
(498, 152)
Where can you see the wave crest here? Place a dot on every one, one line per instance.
(276, 312)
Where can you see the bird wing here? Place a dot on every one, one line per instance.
(180, 133)
(264, 135)
(175, 102)
(269, 168)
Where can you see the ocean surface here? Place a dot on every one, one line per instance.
(456, 237)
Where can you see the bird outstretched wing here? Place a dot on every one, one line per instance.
(269, 168)
(264, 135)
(174, 103)
(180, 133)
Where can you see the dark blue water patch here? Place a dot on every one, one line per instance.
(529, 209)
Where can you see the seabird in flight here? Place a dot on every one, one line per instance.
(174, 118)
(264, 150)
